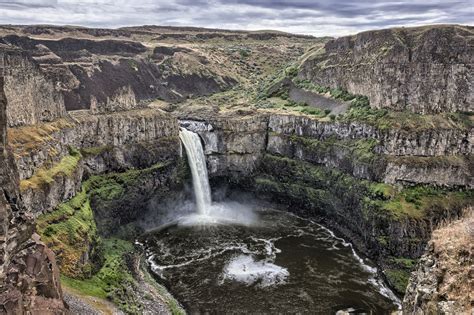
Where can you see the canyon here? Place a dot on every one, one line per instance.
(370, 135)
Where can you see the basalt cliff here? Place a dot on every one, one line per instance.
(370, 134)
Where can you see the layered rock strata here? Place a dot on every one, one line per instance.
(29, 277)
(423, 70)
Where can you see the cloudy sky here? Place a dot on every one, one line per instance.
(316, 17)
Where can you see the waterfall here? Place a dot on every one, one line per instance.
(197, 163)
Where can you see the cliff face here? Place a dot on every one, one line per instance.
(236, 141)
(29, 278)
(32, 98)
(358, 178)
(85, 145)
(423, 70)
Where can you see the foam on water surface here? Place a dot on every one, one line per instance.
(246, 269)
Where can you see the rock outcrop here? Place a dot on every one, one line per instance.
(29, 277)
(442, 282)
(424, 70)
(32, 98)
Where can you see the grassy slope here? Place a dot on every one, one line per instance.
(71, 232)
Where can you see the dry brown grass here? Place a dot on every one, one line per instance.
(454, 248)
(29, 138)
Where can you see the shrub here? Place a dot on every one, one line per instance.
(291, 71)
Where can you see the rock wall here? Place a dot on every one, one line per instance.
(353, 176)
(424, 70)
(235, 144)
(390, 156)
(106, 143)
(29, 278)
(31, 97)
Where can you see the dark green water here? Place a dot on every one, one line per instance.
(282, 265)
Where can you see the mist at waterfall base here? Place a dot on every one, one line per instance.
(243, 257)
(201, 211)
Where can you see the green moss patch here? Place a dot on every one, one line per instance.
(70, 231)
(94, 151)
(397, 203)
(66, 166)
(398, 279)
(419, 201)
(113, 281)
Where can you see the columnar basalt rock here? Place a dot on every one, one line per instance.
(333, 168)
(32, 98)
(29, 278)
(104, 143)
(423, 70)
(234, 143)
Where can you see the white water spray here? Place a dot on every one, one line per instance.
(197, 163)
(207, 211)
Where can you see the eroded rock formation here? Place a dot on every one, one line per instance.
(423, 70)
(29, 277)
(442, 282)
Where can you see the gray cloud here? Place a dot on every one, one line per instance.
(320, 17)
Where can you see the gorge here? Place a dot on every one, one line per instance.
(317, 175)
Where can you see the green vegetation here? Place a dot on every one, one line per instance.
(291, 71)
(360, 110)
(338, 94)
(361, 150)
(283, 103)
(398, 279)
(70, 231)
(382, 191)
(372, 208)
(113, 281)
(378, 199)
(418, 201)
(112, 186)
(66, 166)
(404, 262)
